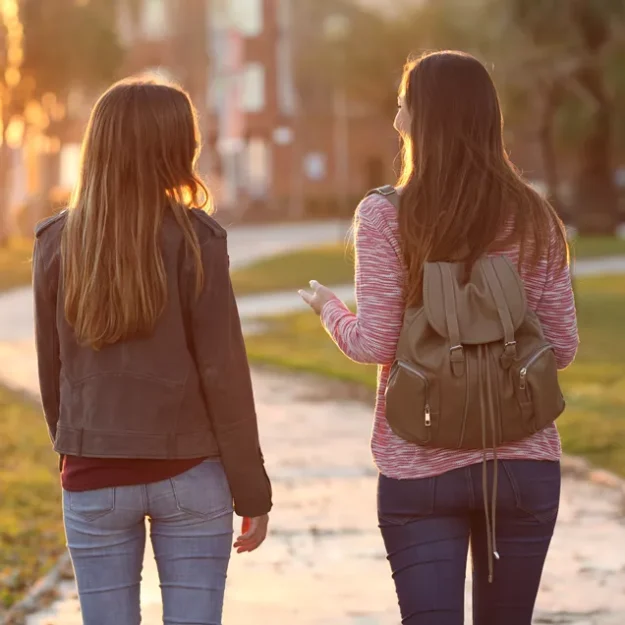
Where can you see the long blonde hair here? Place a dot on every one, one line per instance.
(460, 190)
(138, 163)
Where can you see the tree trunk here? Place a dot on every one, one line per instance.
(5, 183)
(596, 199)
(551, 102)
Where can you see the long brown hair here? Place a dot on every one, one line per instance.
(138, 162)
(461, 196)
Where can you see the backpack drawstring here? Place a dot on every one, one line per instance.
(490, 508)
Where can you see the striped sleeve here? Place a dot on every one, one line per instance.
(371, 335)
(556, 308)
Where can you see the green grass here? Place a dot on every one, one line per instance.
(330, 264)
(31, 528)
(15, 265)
(333, 265)
(594, 423)
(595, 247)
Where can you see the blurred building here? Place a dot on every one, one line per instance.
(270, 151)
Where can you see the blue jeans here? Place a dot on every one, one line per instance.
(191, 521)
(428, 524)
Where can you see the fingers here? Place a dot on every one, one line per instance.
(253, 537)
(306, 296)
(309, 297)
(320, 296)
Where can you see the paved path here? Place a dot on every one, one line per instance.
(246, 245)
(324, 563)
(16, 317)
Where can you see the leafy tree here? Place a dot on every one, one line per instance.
(559, 66)
(569, 44)
(367, 58)
(63, 45)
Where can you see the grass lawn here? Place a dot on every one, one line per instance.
(330, 264)
(15, 266)
(594, 423)
(333, 265)
(594, 247)
(31, 529)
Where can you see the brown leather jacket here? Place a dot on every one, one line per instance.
(184, 392)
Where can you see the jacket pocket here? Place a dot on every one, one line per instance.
(203, 491)
(91, 504)
(536, 487)
(539, 392)
(409, 403)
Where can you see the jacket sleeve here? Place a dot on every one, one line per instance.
(225, 376)
(46, 342)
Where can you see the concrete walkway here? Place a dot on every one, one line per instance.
(16, 316)
(323, 564)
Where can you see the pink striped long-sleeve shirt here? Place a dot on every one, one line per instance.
(371, 337)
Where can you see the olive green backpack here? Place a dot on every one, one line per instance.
(473, 369)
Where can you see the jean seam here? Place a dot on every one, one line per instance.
(469, 479)
(433, 489)
(513, 483)
(145, 498)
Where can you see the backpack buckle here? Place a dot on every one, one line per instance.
(509, 354)
(456, 357)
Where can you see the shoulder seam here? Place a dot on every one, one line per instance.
(218, 230)
(42, 226)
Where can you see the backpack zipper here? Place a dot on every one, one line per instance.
(427, 411)
(529, 363)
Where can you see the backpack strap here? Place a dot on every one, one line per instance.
(503, 311)
(456, 351)
(389, 192)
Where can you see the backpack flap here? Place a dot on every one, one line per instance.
(489, 307)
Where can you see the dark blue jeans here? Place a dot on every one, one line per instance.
(428, 524)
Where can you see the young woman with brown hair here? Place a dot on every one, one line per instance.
(460, 199)
(143, 372)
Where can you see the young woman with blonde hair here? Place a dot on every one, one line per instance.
(143, 372)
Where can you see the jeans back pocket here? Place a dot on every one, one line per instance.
(90, 504)
(536, 487)
(402, 501)
(203, 491)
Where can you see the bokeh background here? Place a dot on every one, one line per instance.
(296, 96)
(296, 100)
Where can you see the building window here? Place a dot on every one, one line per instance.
(154, 23)
(253, 88)
(284, 51)
(70, 165)
(315, 166)
(247, 16)
(258, 171)
(125, 26)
